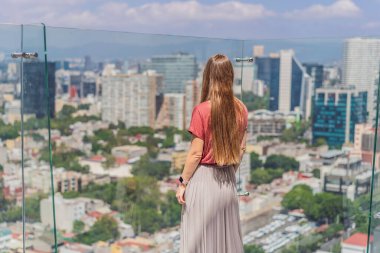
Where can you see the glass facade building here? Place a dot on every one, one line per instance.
(34, 88)
(177, 70)
(336, 111)
(315, 70)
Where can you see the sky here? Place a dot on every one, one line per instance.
(254, 19)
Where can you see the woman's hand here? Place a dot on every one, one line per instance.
(181, 194)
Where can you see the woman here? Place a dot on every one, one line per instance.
(210, 220)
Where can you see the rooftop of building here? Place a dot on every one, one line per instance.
(358, 239)
(331, 154)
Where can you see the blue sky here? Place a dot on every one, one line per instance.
(225, 19)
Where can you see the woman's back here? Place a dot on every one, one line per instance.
(200, 127)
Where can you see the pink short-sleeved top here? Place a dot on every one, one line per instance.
(199, 127)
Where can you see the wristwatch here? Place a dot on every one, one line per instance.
(182, 181)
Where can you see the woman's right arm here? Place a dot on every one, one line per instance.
(242, 149)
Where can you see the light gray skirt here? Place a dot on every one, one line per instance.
(210, 221)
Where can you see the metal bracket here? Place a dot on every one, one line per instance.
(243, 194)
(24, 55)
(248, 59)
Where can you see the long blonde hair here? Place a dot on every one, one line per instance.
(226, 110)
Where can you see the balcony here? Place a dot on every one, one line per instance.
(93, 136)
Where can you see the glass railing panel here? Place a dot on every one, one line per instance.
(310, 171)
(123, 102)
(372, 141)
(37, 96)
(11, 229)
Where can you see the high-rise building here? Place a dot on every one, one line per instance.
(307, 96)
(172, 112)
(337, 110)
(258, 51)
(244, 78)
(192, 98)
(285, 78)
(364, 144)
(88, 85)
(129, 98)
(361, 66)
(315, 71)
(268, 71)
(75, 82)
(177, 69)
(35, 101)
(88, 65)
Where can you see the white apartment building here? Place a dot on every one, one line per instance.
(361, 66)
(357, 243)
(67, 210)
(192, 98)
(129, 98)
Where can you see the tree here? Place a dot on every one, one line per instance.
(253, 249)
(146, 167)
(84, 106)
(132, 131)
(32, 209)
(320, 142)
(326, 206)
(301, 196)
(255, 161)
(105, 192)
(68, 159)
(296, 132)
(265, 176)
(281, 161)
(78, 226)
(110, 161)
(14, 213)
(139, 199)
(8, 131)
(254, 102)
(1, 168)
(171, 211)
(316, 173)
(104, 229)
(147, 219)
(67, 111)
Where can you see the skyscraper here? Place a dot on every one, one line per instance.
(192, 98)
(336, 111)
(172, 112)
(177, 69)
(361, 66)
(315, 71)
(268, 71)
(258, 51)
(129, 98)
(285, 77)
(35, 101)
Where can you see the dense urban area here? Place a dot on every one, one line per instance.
(119, 140)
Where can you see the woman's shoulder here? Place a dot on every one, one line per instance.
(203, 106)
(241, 104)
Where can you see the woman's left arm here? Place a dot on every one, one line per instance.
(193, 158)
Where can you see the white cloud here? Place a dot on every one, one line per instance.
(338, 9)
(116, 15)
(372, 25)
